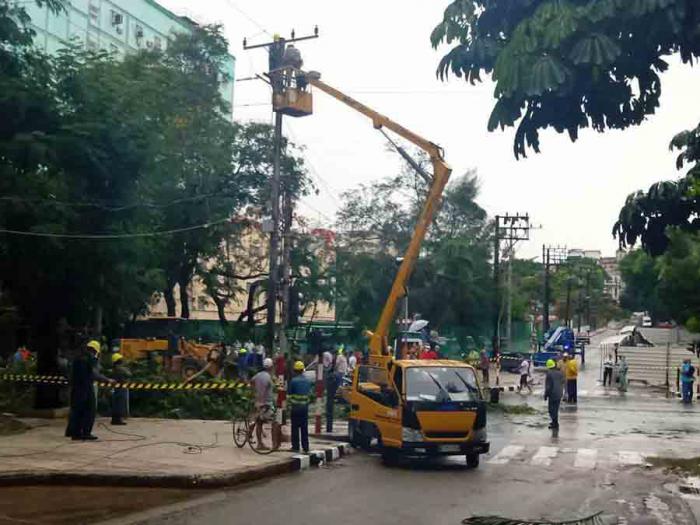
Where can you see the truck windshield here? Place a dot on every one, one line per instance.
(433, 383)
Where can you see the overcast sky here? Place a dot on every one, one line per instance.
(379, 51)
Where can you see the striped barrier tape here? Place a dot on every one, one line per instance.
(60, 380)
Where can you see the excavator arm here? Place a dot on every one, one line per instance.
(441, 174)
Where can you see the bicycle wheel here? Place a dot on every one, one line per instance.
(240, 432)
(264, 436)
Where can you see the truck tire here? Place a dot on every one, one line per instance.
(390, 456)
(355, 436)
(472, 460)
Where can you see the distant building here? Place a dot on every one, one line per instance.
(584, 254)
(614, 284)
(252, 246)
(118, 26)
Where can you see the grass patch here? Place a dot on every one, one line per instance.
(516, 410)
(689, 466)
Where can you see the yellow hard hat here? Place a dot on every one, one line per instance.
(551, 363)
(95, 345)
(341, 350)
(117, 357)
(243, 351)
(298, 366)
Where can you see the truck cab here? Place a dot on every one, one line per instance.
(419, 408)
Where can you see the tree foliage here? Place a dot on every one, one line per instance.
(567, 64)
(376, 223)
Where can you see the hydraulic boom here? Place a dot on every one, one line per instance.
(441, 174)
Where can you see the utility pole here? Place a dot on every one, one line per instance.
(551, 255)
(568, 301)
(288, 214)
(276, 50)
(511, 228)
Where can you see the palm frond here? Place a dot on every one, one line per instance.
(594, 519)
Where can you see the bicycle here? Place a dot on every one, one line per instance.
(258, 429)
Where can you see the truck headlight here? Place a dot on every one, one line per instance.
(411, 435)
(479, 434)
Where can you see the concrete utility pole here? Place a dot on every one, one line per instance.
(276, 49)
(510, 228)
(551, 255)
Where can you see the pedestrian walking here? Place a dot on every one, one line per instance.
(608, 366)
(622, 374)
(572, 380)
(83, 402)
(485, 365)
(553, 392)
(299, 394)
(524, 370)
(352, 362)
(687, 379)
(120, 395)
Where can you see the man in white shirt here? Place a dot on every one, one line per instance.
(341, 363)
(352, 362)
(524, 375)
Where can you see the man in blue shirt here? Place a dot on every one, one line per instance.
(687, 379)
(299, 394)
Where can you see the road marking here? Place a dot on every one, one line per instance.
(544, 456)
(629, 457)
(506, 454)
(586, 458)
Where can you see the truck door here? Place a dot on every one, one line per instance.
(375, 400)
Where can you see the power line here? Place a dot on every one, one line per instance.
(248, 17)
(114, 236)
(114, 207)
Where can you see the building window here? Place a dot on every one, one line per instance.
(138, 34)
(117, 20)
(94, 12)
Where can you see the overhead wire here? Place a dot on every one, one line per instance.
(113, 236)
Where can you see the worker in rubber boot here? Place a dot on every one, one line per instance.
(299, 395)
(120, 396)
(553, 392)
(83, 402)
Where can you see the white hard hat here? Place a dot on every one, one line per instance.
(267, 363)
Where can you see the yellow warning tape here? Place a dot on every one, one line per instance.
(60, 380)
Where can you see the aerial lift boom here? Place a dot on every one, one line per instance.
(441, 173)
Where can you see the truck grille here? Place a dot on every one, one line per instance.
(448, 435)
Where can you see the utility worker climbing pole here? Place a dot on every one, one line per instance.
(299, 395)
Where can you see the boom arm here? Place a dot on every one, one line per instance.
(441, 174)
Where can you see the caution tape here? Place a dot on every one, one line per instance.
(60, 380)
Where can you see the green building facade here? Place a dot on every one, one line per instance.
(118, 26)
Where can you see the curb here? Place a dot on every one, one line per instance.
(315, 458)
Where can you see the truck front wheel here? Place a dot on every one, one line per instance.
(472, 460)
(390, 456)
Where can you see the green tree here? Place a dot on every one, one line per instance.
(567, 64)
(640, 273)
(679, 285)
(376, 222)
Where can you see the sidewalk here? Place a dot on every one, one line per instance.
(147, 452)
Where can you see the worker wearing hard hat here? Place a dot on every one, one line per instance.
(299, 393)
(120, 395)
(83, 402)
(553, 392)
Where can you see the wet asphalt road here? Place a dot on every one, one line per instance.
(598, 463)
